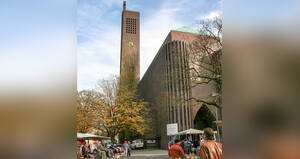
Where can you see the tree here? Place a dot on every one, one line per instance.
(121, 110)
(112, 108)
(86, 101)
(205, 60)
(108, 117)
(134, 108)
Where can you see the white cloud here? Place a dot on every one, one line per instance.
(98, 48)
(154, 30)
(212, 15)
(170, 16)
(91, 73)
(98, 58)
(99, 51)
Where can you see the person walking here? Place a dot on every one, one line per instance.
(210, 149)
(176, 151)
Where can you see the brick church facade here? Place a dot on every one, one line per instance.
(166, 85)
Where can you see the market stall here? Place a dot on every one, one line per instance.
(89, 141)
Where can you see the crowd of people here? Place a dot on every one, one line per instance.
(96, 150)
(206, 148)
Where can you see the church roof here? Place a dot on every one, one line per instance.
(187, 30)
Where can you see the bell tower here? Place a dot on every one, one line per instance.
(130, 42)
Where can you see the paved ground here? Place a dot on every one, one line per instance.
(149, 154)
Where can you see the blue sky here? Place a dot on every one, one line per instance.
(99, 30)
(38, 38)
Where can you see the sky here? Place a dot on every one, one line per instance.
(37, 44)
(99, 32)
(53, 40)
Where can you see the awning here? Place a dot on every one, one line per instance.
(91, 136)
(191, 131)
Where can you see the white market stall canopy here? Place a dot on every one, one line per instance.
(90, 136)
(191, 131)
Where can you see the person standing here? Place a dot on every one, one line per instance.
(169, 145)
(84, 150)
(187, 147)
(202, 141)
(125, 146)
(176, 151)
(102, 149)
(210, 149)
(182, 145)
(129, 150)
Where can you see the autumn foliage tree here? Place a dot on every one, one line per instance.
(113, 107)
(86, 103)
(134, 108)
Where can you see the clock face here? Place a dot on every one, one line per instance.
(131, 43)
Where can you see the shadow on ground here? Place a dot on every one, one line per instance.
(149, 154)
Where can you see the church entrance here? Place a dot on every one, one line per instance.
(204, 118)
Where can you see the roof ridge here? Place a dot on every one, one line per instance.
(187, 30)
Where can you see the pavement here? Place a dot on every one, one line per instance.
(149, 154)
